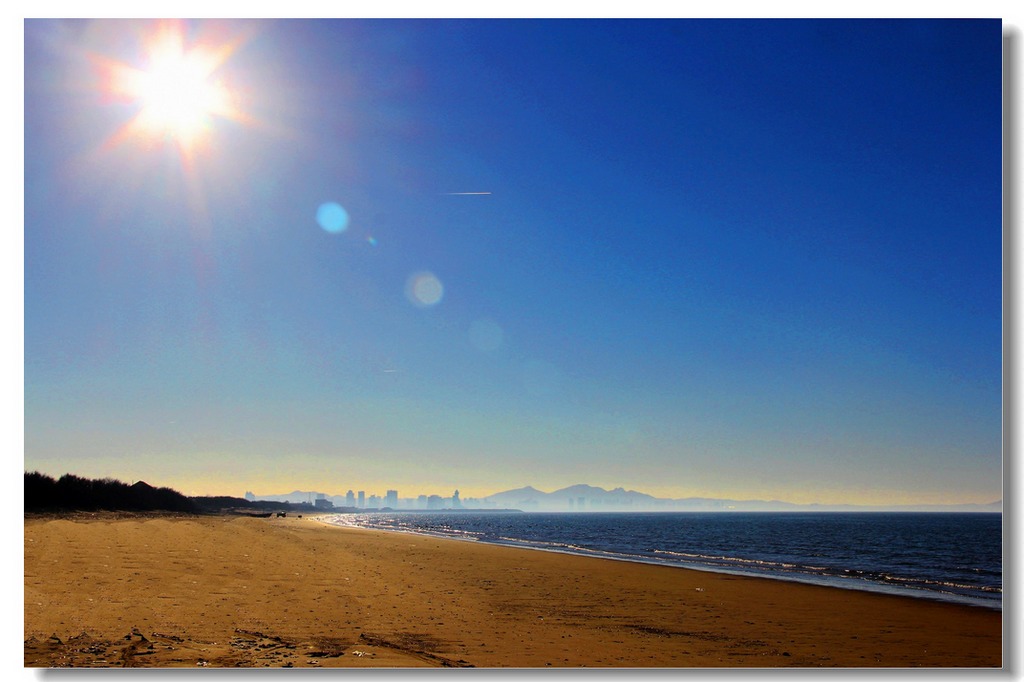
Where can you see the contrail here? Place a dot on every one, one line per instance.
(461, 194)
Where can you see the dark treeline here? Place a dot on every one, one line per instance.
(220, 503)
(44, 493)
(74, 493)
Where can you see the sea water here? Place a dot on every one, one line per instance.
(945, 556)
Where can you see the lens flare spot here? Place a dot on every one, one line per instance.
(486, 335)
(424, 289)
(332, 217)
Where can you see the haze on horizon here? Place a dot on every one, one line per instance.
(732, 259)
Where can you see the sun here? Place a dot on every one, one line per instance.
(177, 93)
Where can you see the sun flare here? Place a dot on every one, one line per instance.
(177, 93)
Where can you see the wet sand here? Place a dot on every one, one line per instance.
(226, 591)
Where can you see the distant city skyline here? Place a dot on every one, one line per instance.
(578, 498)
(740, 259)
(363, 500)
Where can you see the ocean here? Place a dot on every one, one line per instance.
(945, 556)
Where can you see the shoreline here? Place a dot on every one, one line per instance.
(818, 581)
(241, 592)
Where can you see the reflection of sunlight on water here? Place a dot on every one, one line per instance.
(486, 335)
(424, 289)
(332, 217)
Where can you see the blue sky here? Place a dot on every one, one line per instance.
(720, 258)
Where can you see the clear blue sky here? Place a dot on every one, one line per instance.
(722, 258)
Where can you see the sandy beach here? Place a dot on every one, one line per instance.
(226, 591)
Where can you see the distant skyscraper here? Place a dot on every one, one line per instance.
(456, 503)
(362, 499)
(421, 502)
(350, 499)
(391, 499)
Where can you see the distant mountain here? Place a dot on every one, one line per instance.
(582, 497)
